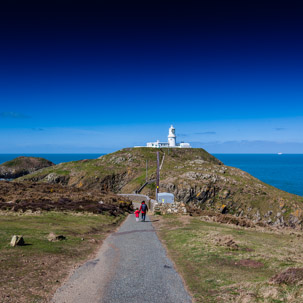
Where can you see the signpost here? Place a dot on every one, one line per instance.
(158, 176)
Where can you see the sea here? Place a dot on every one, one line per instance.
(282, 171)
(55, 158)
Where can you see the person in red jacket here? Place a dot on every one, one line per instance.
(137, 212)
(143, 210)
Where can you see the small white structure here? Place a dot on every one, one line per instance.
(172, 137)
(165, 198)
(172, 141)
(157, 144)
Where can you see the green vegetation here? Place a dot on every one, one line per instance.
(224, 263)
(129, 161)
(24, 161)
(194, 176)
(14, 162)
(61, 172)
(36, 269)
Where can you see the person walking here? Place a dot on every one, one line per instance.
(143, 210)
(137, 213)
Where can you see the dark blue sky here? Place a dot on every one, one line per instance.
(94, 78)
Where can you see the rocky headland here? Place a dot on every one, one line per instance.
(22, 166)
(195, 177)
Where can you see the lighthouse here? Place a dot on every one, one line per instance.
(172, 137)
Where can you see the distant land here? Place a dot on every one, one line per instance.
(282, 171)
(194, 176)
(55, 158)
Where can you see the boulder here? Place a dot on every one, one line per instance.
(55, 178)
(53, 238)
(17, 240)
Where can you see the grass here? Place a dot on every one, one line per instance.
(23, 161)
(124, 172)
(60, 172)
(39, 267)
(13, 162)
(216, 272)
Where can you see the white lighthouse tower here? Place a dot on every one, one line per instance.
(172, 137)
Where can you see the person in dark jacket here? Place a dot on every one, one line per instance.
(143, 210)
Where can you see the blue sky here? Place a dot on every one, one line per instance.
(84, 79)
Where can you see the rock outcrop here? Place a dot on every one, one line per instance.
(54, 238)
(167, 208)
(17, 240)
(195, 177)
(22, 166)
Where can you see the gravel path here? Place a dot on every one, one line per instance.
(131, 266)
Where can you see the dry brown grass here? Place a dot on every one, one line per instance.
(228, 263)
(289, 276)
(33, 272)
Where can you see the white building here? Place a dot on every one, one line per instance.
(172, 141)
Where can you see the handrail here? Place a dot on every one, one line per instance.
(146, 183)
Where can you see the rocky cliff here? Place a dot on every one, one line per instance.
(22, 166)
(195, 177)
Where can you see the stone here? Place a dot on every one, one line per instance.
(54, 178)
(17, 240)
(257, 216)
(224, 194)
(52, 237)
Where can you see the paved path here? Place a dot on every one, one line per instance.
(131, 266)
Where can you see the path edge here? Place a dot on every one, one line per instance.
(171, 259)
(90, 257)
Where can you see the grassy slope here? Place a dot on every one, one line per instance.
(25, 161)
(31, 273)
(193, 175)
(212, 270)
(129, 161)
